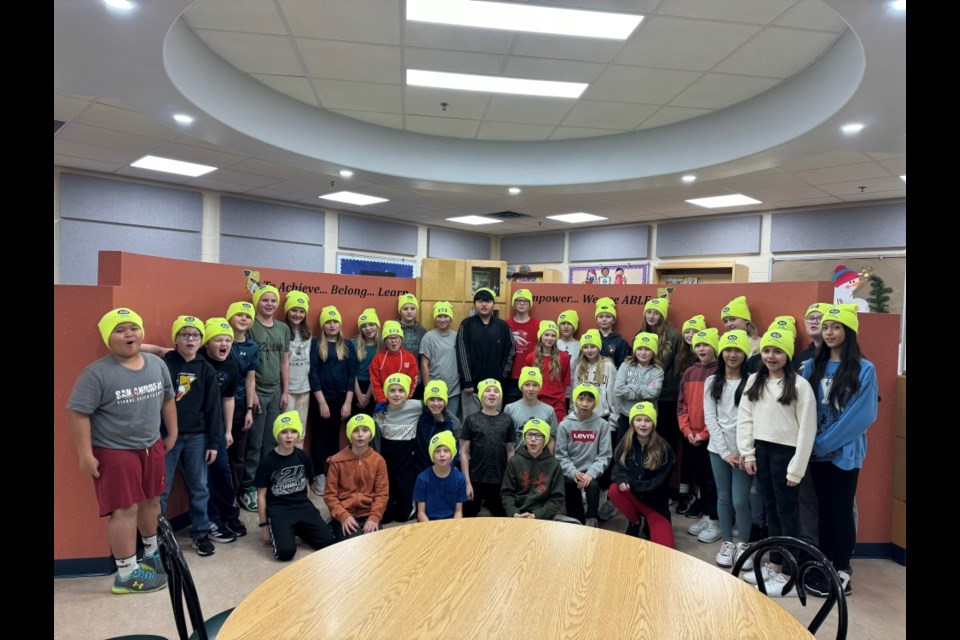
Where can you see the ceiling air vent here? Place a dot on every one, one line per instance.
(506, 215)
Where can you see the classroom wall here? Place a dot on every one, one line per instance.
(160, 289)
(766, 301)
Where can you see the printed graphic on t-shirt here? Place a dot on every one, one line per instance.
(583, 436)
(222, 377)
(288, 481)
(139, 394)
(184, 384)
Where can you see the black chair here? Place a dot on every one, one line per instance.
(802, 558)
(181, 587)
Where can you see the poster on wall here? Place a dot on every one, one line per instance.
(611, 274)
(354, 265)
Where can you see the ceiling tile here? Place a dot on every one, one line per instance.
(828, 159)
(556, 70)
(361, 96)
(786, 195)
(760, 183)
(113, 102)
(392, 120)
(436, 36)
(607, 115)
(844, 173)
(884, 156)
(253, 52)
(569, 133)
(636, 84)
(239, 178)
(269, 169)
(510, 131)
(107, 138)
(677, 43)
(351, 61)
(84, 163)
(777, 53)
(669, 115)
(453, 61)
(301, 190)
(106, 117)
(527, 109)
(896, 166)
(811, 14)
(376, 21)
(66, 108)
(85, 151)
(716, 91)
(750, 11)
(443, 126)
(254, 16)
(296, 87)
(808, 202)
(887, 195)
(204, 182)
(153, 176)
(193, 141)
(542, 45)
(873, 187)
(467, 105)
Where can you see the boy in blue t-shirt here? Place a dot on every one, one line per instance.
(441, 490)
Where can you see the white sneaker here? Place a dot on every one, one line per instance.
(775, 585)
(563, 518)
(741, 549)
(699, 526)
(726, 553)
(710, 533)
(766, 573)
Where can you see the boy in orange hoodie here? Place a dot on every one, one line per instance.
(357, 485)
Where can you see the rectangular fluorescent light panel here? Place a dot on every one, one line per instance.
(518, 17)
(494, 84)
(576, 217)
(717, 202)
(350, 197)
(474, 220)
(179, 167)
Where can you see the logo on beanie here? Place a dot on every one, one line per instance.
(774, 334)
(434, 439)
(360, 418)
(331, 313)
(531, 374)
(300, 300)
(123, 312)
(640, 406)
(834, 311)
(394, 379)
(655, 302)
(781, 323)
(701, 334)
(434, 389)
(535, 422)
(224, 325)
(285, 420)
(246, 305)
(725, 310)
(363, 317)
(644, 339)
(731, 338)
(604, 307)
(189, 319)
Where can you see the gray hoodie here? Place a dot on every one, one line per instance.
(583, 445)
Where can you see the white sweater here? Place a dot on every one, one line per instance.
(793, 425)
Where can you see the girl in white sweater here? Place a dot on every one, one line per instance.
(776, 426)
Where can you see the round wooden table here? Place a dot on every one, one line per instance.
(504, 578)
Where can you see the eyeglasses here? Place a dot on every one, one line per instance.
(813, 320)
(533, 435)
(189, 336)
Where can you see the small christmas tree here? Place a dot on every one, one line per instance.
(879, 295)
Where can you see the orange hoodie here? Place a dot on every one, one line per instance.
(690, 401)
(356, 486)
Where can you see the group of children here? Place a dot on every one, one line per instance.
(733, 409)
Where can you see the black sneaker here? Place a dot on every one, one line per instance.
(633, 529)
(236, 527)
(695, 510)
(221, 536)
(757, 533)
(644, 528)
(685, 502)
(818, 585)
(203, 546)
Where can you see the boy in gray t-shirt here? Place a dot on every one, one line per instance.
(438, 355)
(115, 409)
(529, 407)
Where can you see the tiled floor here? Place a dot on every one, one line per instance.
(85, 609)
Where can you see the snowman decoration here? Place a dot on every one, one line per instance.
(845, 282)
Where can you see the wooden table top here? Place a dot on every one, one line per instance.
(504, 578)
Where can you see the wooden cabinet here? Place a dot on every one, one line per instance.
(699, 272)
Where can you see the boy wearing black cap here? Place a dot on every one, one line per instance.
(484, 349)
(115, 410)
(282, 480)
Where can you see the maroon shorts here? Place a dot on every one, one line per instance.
(128, 477)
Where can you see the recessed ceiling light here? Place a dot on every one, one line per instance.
(515, 191)
(717, 202)
(689, 179)
(899, 5)
(517, 17)
(353, 198)
(904, 177)
(574, 218)
(156, 163)
(346, 173)
(474, 220)
(852, 128)
(183, 118)
(494, 84)
(123, 5)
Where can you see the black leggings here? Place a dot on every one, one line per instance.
(836, 489)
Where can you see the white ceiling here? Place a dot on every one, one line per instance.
(707, 68)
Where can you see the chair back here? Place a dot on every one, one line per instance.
(802, 559)
(179, 582)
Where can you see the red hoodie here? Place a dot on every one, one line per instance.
(385, 364)
(690, 400)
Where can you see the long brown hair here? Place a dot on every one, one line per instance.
(554, 366)
(323, 350)
(656, 448)
(362, 343)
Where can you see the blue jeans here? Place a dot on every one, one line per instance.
(190, 448)
(733, 496)
(222, 505)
